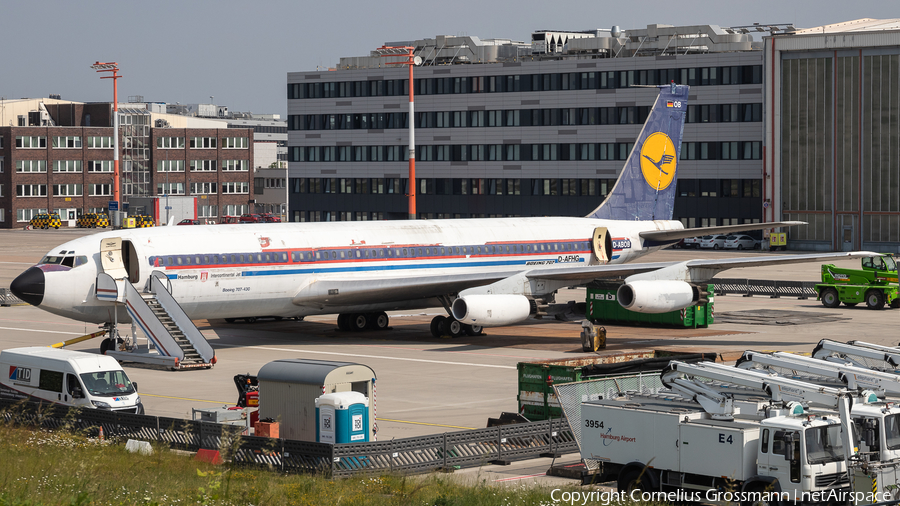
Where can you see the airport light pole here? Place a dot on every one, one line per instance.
(411, 61)
(114, 68)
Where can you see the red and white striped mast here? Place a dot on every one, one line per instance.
(411, 61)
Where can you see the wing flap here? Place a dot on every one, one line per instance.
(675, 235)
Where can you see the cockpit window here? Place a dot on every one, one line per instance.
(67, 261)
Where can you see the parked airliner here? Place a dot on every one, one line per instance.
(484, 272)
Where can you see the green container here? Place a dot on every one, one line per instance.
(602, 306)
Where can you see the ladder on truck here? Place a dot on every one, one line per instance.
(173, 339)
(852, 376)
(859, 353)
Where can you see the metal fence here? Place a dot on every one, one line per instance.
(772, 288)
(7, 298)
(447, 451)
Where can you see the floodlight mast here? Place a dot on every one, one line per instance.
(411, 61)
(114, 68)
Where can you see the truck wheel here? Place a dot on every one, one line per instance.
(830, 298)
(874, 299)
(895, 303)
(634, 480)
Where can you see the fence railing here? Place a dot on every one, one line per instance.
(772, 288)
(422, 454)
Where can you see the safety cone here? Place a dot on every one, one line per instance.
(101, 433)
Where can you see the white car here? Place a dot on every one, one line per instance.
(712, 242)
(741, 242)
(692, 242)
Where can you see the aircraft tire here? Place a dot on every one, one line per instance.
(359, 321)
(105, 345)
(473, 330)
(250, 319)
(452, 327)
(437, 326)
(343, 322)
(378, 321)
(229, 320)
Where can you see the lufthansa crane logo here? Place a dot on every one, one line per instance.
(658, 161)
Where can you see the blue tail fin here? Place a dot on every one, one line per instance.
(646, 187)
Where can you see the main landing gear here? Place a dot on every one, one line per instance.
(448, 326)
(363, 321)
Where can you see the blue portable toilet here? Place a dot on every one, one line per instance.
(342, 417)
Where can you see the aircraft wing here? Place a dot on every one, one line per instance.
(336, 290)
(674, 235)
(697, 270)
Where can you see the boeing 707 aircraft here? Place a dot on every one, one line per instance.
(484, 272)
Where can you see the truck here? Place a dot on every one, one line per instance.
(70, 378)
(878, 422)
(756, 442)
(875, 284)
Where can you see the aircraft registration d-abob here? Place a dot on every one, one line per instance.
(484, 272)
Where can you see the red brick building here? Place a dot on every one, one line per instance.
(61, 159)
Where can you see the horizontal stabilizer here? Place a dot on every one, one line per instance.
(675, 235)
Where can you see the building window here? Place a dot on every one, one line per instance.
(100, 142)
(170, 142)
(31, 166)
(100, 166)
(67, 142)
(207, 211)
(203, 165)
(235, 143)
(1, 190)
(170, 166)
(27, 214)
(203, 188)
(99, 190)
(31, 142)
(67, 166)
(170, 188)
(31, 190)
(235, 165)
(203, 142)
(236, 187)
(67, 190)
(275, 182)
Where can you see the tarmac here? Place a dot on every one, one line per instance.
(429, 386)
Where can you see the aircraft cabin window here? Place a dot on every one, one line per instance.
(197, 260)
(358, 254)
(241, 258)
(404, 252)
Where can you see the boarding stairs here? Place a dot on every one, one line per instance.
(173, 339)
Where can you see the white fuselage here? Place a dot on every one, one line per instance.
(222, 271)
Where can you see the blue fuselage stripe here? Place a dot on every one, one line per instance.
(369, 268)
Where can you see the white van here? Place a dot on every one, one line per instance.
(71, 378)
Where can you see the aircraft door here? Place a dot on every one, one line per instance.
(131, 262)
(111, 257)
(601, 244)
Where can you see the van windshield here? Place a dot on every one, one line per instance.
(107, 383)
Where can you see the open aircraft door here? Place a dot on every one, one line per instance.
(110, 282)
(601, 244)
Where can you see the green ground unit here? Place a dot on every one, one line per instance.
(875, 284)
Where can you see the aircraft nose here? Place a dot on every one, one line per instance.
(29, 286)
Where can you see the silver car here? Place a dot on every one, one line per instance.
(741, 242)
(712, 242)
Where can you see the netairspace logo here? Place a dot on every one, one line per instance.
(607, 497)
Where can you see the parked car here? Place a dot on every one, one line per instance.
(691, 242)
(741, 242)
(46, 220)
(270, 218)
(189, 221)
(712, 242)
(229, 220)
(92, 220)
(250, 218)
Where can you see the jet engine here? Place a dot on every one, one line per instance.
(491, 310)
(646, 296)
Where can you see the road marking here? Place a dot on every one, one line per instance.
(38, 330)
(423, 423)
(185, 399)
(522, 477)
(359, 355)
